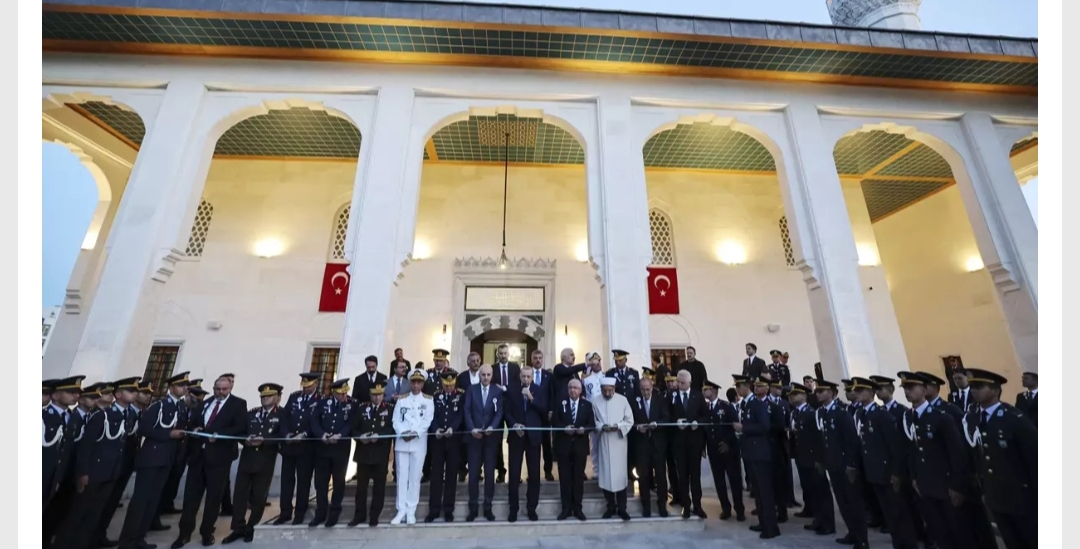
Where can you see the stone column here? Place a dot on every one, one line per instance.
(383, 197)
(821, 231)
(120, 326)
(625, 247)
(1005, 232)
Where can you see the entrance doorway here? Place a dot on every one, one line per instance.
(521, 345)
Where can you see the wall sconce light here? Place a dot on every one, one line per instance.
(581, 252)
(269, 247)
(565, 330)
(973, 263)
(731, 252)
(444, 329)
(868, 256)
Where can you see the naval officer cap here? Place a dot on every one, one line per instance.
(307, 379)
(180, 379)
(71, 384)
(774, 352)
(418, 375)
(607, 382)
(985, 377)
(931, 379)
(270, 389)
(799, 388)
(340, 387)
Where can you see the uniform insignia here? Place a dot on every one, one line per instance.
(929, 434)
(1000, 413)
(1003, 444)
(426, 395)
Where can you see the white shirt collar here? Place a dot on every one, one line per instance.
(1035, 391)
(922, 408)
(802, 406)
(991, 409)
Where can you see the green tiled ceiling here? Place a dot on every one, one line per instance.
(858, 153)
(707, 146)
(296, 132)
(124, 122)
(482, 139)
(885, 196)
(217, 30)
(922, 161)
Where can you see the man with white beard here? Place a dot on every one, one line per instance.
(590, 386)
(614, 420)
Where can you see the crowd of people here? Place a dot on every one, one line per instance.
(935, 473)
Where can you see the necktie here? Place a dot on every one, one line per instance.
(646, 408)
(213, 413)
(67, 417)
(986, 417)
(573, 412)
(371, 378)
(538, 375)
(484, 396)
(504, 378)
(684, 397)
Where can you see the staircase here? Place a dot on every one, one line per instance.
(593, 505)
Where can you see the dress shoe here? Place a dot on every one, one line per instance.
(282, 519)
(862, 546)
(489, 515)
(145, 545)
(423, 479)
(876, 523)
(430, 518)
(794, 504)
(810, 526)
(461, 477)
(624, 515)
(741, 517)
(608, 514)
(410, 519)
(533, 517)
(701, 513)
(331, 521)
(662, 511)
(249, 536)
(298, 519)
(846, 540)
(757, 528)
(315, 521)
(579, 515)
(685, 512)
(159, 527)
(207, 541)
(754, 512)
(512, 517)
(563, 515)
(780, 519)
(373, 523)
(769, 535)
(172, 511)
(356, 520)
(645, 513)
(449, 517)
(180, 542)
(724, 515)
(471, 516)
(549, 477)
(108, 543)
(232, 537)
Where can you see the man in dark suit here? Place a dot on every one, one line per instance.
(650, 453)
(564, 372)
(466, 379)
(363, 383)
(526, 409)
(752, 366)
(574, 416)
(698, 374)
(399, 356)
(961, 395)
(689, 409)
(211, 459)
(298, 457)
(842, 461)
(545, 382)
(1028, 401)
(722, 446)
(257, 462)
(757, 449)
(484, 409)
(507, 375)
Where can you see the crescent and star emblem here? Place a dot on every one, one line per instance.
(333, 279)
(656, 284)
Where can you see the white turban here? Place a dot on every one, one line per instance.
(607, 382)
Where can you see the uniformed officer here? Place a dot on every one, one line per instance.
(444, 447)
(375, 426)
(162, 426)
(882, 462)
(257, 461)
(743, 391)
(938, 466)
(841, 443)
(60, 428)
(886, 388)
(722, 446)
(412, 418)
(332, 421)
(1008, 443)
(127, 467)
(808, 449)
(432, 384)
(780, 415)
(47, 391)
(670, 384)
(874, 517)
(98, 463)
(192, 401)
(298, 456)
(755, 424)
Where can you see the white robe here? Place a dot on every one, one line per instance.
(613, 446)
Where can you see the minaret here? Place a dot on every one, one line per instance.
(879, 14)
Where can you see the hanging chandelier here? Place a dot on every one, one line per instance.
(503, 261)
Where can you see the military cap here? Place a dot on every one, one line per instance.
(984, 377)
(847, 383)
(270, 389)
(826, 384)
(197, 391)
(761, 381)
(670, 377)
(448, 378)
(710, 385)
(619, 353)
(882, 381)
(648, 372)
(340, 386)
(910, 378)
(931, 379)
(73, 383)
(776, 383)
(739, 378)
(92, 391)
(417, 375)
(440, 354)
(179, 379)
(146, 387)
(195, 382)
(774, 352)
(307, 379)
(48, 385)
(106, 387)
(799, 388)
(862, 383)
(1032, 374)
(377, 389)
(129, 383)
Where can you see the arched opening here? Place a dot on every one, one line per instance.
(928, 294)
(1024, 156)
(479, 165)
(727, 246)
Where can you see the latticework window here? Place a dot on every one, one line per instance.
(663, 243)
(785, 238)
(324, 360)
(341, 228)
(199, 229)
(159, 366)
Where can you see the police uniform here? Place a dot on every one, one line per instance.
(780, 416)
(372, 458)
(412, 414)
(1008, 445)
(757, 449)
(333, 416)
(298, 458)
(256, 466)
(669, 453)
(808, 450)
(873, 510)
(444, 447)
(907, 496)
(842, 461)
(725, 461)
(61, 432)
(172, 485)
(127, 468)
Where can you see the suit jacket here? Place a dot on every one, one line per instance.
(1028, 404)
(334, 418)
(806, 443)
(562, 417)
(658, 413)
(938, 462)
(98, 457)
(231, 420)
(433, 383)
(696, 410)
(155, 424)
(1009, 468)
(721, 415)
(481, 414)
(464, 380)
(532, 414)
(753, 368)
(757, 432)
(362, 385)
(563, 374)
(960, 399)
(513, 373)
(55, 458)
(698, 374)
(546, 384)
(403, 388)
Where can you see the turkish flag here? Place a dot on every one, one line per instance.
(663, 291)
(335, 288)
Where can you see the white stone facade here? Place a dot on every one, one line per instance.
(233, 311)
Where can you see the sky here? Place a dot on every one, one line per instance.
(69, 195)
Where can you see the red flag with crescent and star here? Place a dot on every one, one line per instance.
(663, 291)
(335, 288)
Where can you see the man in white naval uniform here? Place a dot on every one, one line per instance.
(590, 389)
(412, 417)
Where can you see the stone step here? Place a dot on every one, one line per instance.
(480, 529)
(547, 488)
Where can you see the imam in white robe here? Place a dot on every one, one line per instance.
(614, 445)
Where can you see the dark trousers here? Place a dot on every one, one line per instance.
(572, 477)
(142, 508)
(616, 501)
(874, 513)
(672, 471)
(172, 484)
(251, 492)
(761, 475)
(500, 463)
(108, 508)
(789, 481)
(688, 462)
(445, 454)
(327, 468)
(978, 519)
(482, 454)
(809, 492)
(54, 513)
(945, 524)
(376, 475)
(651, 463)
(911, 501)
(545, 448)
(781, 476)
(849, 498)
(1018, 531)
(519, 446)
(895, 512)
(202, 479)
(727, 469)
(226, 494)
(296, 473)
(78, 528)
(824, 508)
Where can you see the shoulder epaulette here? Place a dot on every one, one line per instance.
(460, 390)
(255, 409)
(426, 395)
(294, 393)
